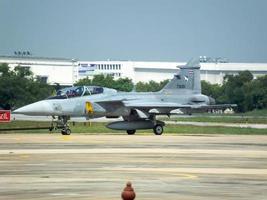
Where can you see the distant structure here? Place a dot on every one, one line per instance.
(22, 53)
(65, 71)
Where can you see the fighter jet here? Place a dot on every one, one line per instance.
(138, 110)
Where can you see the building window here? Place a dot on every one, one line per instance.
(42, 79)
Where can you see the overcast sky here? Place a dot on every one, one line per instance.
(144, 30)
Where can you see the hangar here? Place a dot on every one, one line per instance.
(67, 71)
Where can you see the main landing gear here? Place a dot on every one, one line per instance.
(158, 125)
(133, 122)
(61, 123)
(157, 129)
(131, 132)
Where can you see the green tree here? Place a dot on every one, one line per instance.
(151, 86)
(234, 89)
(23, 72)
(84, 81)
(4, 70)
(121, 84)
(212, 90)
(18, 87)
(256, 94)
(241, 89)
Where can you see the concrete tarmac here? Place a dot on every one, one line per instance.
(197, 167)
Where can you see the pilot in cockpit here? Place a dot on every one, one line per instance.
(77, 91)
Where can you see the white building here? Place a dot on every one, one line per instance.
(159, 71)
(50, 70)
(67, 71)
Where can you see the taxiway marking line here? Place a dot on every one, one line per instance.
(258, 153)
(190, 171)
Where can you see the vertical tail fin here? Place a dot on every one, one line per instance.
(187, 80)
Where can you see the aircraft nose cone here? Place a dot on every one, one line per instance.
(38, 108)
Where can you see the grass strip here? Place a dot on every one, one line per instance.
(100, 128)
(219, 119)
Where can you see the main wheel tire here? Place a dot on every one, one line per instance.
(131, 132)
(158, 129)
(66, 131)
(63, 132)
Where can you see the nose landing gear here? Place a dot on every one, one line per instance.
(61, 123)
(66, 131)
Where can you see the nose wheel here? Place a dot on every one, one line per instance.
(66, 131)
(62, 124)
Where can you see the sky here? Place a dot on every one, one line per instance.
(138, 30)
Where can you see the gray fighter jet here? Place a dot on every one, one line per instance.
(138, 109)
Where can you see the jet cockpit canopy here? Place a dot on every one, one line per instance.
(79, 91)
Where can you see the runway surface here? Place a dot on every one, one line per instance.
(51, 166)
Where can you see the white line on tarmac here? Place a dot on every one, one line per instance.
(257, 153)
(187, 172)
(238, 125)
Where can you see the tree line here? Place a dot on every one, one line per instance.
(241, 89)
(122, 84)
(18, 87)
